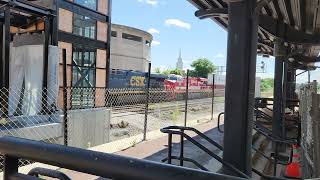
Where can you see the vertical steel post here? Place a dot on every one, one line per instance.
(181, 148)
(1, 68)
(169, 147)
(186, 100)
(65, 98)
(309, 76)
(10, 166)
(45, 65)
(280, 53)
(54, 21)
(5, 62)
(275, 162)
(284, 96)
(212, 103)
(146, 110)
(108, 47)
(240, 84)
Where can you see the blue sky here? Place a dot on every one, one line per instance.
(174, 26)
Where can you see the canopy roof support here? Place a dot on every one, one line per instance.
(240, 84)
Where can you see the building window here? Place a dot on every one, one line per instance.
(131, 37)
(114, 33)
(92, 4)
(84, 26)
(148, 43)
(84, 67)
(83, 77)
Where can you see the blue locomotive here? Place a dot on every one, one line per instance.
(135, 79)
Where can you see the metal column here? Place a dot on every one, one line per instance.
(108, 46)
(186, 100)
(240, 84)
(1, 64)
(146, 110)
(278, 89)
(47, 30)
(5, 62)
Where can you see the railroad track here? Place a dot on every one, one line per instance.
(127, 110)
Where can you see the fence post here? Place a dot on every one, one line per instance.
(212, 103)
(315, 115)
(186, 105)
(65, 96)
(146, 105)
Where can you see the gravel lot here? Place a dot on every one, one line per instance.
(129, 120)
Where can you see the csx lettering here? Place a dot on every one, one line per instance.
(137, 81)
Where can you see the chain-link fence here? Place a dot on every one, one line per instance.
(310, 130)
(89, 117)
(32, 114)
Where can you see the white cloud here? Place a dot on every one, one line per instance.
(150, 2)
(153, 31)
(220, 55)
(155, 43)
(177, 23)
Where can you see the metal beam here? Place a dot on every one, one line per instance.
(82, 10)
(214, 12)
(276, 28)
(76, 39)
(240, 84)
(27, 7)
(279, 29)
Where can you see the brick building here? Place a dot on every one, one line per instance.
(83, 30)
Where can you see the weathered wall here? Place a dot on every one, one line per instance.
(310, 130)
(128, 54)
(88, 127)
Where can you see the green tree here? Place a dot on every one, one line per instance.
(174, 71)
(267, 84)
(202, 67)
(157, 70)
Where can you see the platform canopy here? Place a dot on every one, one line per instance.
(296, 22)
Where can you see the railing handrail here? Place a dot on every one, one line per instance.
(174, 130)
(96, 163)
(227, 165)
(262, 130)
(195, 131)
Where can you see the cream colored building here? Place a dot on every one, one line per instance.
(130, 48)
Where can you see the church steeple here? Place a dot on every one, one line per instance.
(179, 64)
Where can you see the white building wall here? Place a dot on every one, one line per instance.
(128, 54)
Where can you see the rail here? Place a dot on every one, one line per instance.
(277, 141)
(268, 134)
(173, 130)
(179, 130)
(91, 162)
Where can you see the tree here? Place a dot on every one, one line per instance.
(174, 71)
(267, 84)
(157, 70)
(202, 67)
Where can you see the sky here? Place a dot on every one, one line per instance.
(174, 26)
